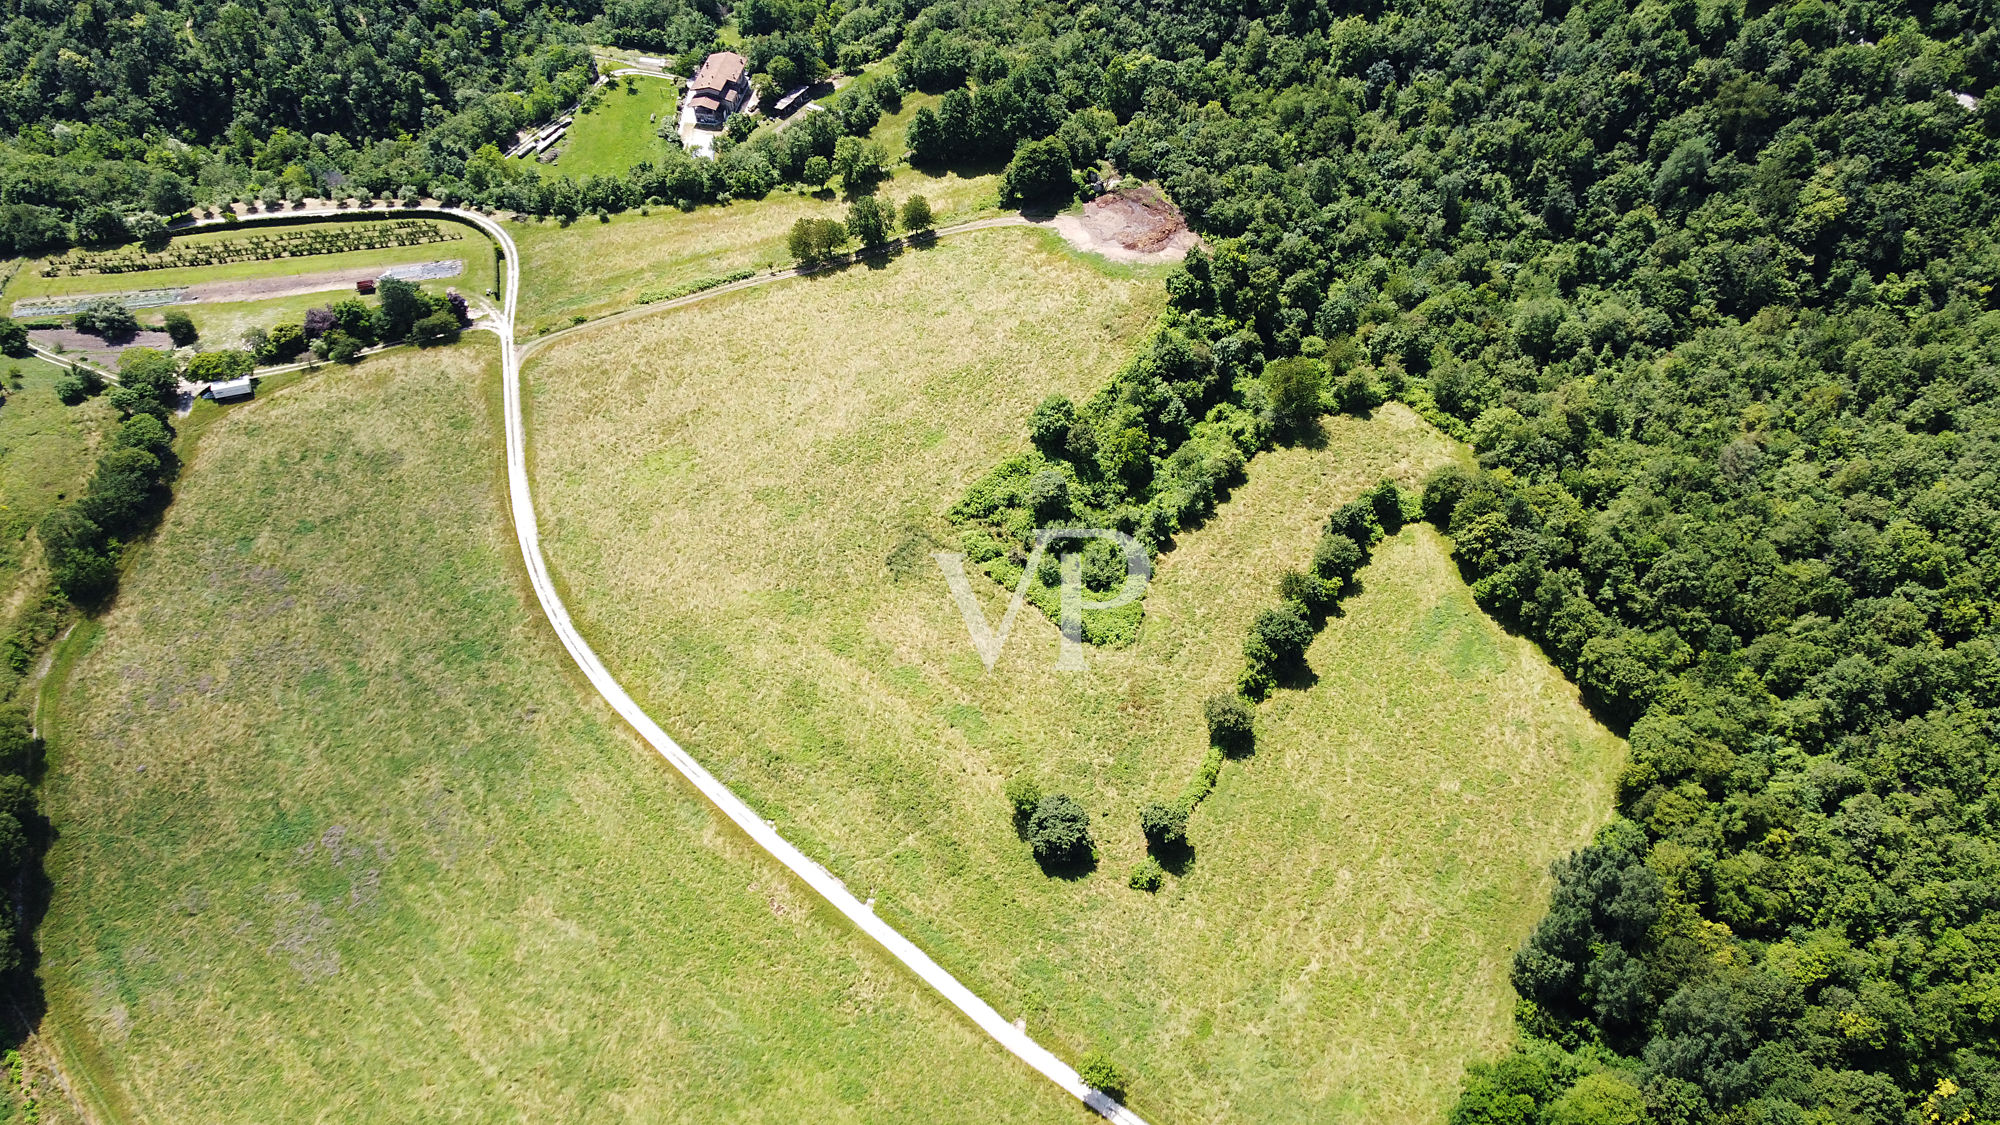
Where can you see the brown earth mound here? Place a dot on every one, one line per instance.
(1135, 224)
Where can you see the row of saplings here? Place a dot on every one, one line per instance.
(1057, 826)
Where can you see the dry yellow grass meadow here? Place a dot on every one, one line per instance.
(344, 838)
(741, 497)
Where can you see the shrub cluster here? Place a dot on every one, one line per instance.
(82, 540)
(690, 288)
(1280, 636)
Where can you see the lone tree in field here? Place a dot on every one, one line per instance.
(107, 318)
(1059, 830)
(917, 216)
(868, 220)
(13, 337)
(180, 328)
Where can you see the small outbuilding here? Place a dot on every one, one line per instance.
(232, 390)
(365, 286)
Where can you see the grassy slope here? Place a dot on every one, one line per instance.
(590, 268)
(46, 453)
(469, 244)
(741, 497)
(340, 839)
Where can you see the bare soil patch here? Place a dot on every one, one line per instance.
(1130, 225)
(96, 348)
(297, 285)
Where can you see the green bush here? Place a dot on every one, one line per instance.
(13, 337)
(1049, 425)
(1165, 826)
(20, 750)
(106, 317)
(437, 328)
(917, 216)
(1023, 793)
(77, 385)
(1232, 725)
(1336, 558)
(220, 366)
(180, 328)
(1099, 1073)
(339, 347)
(1059, 830)
(1309, 594)
(1039, 174)
(1283, 634)
(1292, 391)
(1147, 875)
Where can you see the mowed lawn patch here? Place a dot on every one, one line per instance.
(742, 498)
(589, 268)
(615, 134)
(342, 836)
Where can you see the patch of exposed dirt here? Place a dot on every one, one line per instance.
(298, 285)
(97, 349)
(1135, 224)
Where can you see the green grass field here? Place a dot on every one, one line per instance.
(46, 453)
(615, 134)
(590, 268)
(741, 498)
(344, 838)
(467, 244)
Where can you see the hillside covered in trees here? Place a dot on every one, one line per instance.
(1707, 283)
(1708, 286)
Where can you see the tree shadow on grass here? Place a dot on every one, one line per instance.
(1296, 675)
(1070, 868)
(1175, 859)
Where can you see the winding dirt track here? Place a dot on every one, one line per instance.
(527, 530)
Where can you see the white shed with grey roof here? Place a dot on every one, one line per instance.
(231, 390)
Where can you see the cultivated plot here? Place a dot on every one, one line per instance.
(343, 838)
(742, 498)
(250, 276)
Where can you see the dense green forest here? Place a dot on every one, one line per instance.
(1707, 283)
(1708, 287)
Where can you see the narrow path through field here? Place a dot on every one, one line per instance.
(819, 878)
(527, 529)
